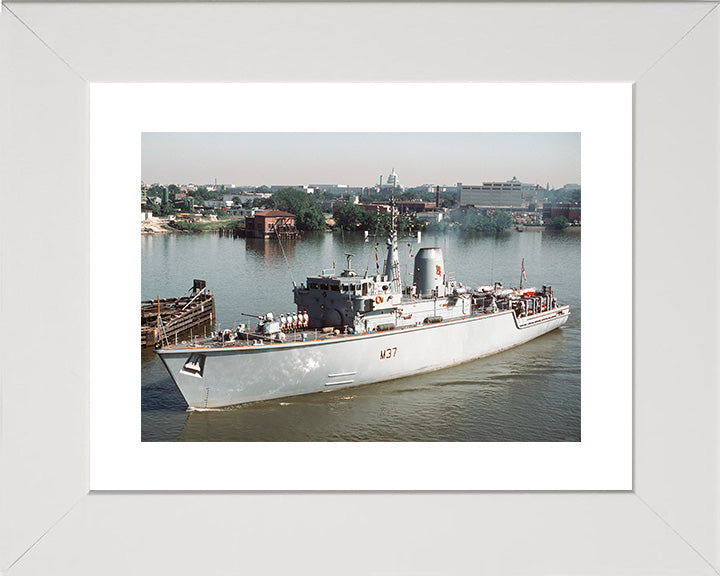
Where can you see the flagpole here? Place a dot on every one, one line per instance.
(522, 271)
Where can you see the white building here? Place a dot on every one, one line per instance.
(392, 180)
(510, 195)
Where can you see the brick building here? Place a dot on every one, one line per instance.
(567, 209)
(269, 224)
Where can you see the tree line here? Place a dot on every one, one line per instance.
(497, 221)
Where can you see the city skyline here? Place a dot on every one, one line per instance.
(360, 158)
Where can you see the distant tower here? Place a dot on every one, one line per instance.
(393, 179)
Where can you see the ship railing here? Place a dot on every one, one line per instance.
(248, 335)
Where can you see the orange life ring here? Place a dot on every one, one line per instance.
(378, 299)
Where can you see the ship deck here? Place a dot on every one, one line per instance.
(250, 338)
(247, 338)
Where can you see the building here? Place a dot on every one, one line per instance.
(245, 197)
(217, 203)
(337, 189)
(569, 210)
(330, 205)
(240, 211)
(392, 180)
(376, 207)
(230, 196)
(415, 206)
(270, 224)
(508, 195)
(187, 204)
(392, 185)
(570, 187)
(430, 217)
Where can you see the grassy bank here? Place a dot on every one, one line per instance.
(206, 225)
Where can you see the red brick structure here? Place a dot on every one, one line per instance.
(407, 206)
(270, 224)
(570, 211)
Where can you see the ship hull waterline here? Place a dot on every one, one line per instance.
(242, 374)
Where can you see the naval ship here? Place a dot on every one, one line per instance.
(351, 329)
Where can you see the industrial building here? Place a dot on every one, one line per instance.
(509, 195)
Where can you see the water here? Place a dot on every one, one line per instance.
(530, 393)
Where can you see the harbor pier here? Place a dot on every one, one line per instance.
(165, 319)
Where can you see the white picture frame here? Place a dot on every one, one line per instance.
(668, 524)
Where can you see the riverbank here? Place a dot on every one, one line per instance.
(165, 225)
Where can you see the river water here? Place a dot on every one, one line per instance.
(528, 394)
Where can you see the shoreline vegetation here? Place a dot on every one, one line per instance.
(310, 214)
(167, 226)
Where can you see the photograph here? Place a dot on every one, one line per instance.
(361, 287)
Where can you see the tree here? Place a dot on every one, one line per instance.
(311, 219)
(441, 226)
(407, 222)
(308, 213)
(559, 223)
(501, 220)
(348, 216)
(476, 222)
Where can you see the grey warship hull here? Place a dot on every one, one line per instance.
(212, 376)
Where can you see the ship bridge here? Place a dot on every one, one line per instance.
(338, 299)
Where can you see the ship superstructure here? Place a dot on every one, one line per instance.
(351, 329)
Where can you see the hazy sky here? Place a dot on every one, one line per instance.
(359, 158)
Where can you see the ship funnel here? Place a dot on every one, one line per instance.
(429, 272)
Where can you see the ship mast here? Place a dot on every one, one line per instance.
(392, 263)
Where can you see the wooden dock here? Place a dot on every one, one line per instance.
(281, 233)
(168, 318)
